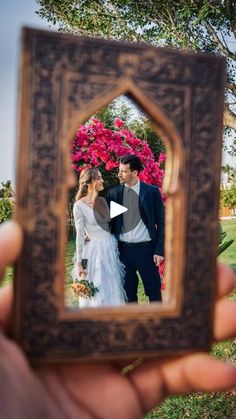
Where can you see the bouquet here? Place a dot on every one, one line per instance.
(82, 287)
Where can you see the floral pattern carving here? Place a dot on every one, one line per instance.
(65, 74)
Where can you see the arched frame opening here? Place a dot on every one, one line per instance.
(174, 208)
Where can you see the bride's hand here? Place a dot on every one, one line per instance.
(81, 271)
(83, 275)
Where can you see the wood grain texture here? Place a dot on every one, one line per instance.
(64, 80)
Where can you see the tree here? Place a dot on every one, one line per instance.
(228, 193)
(6, 203)
(136, 120)
(200, 25)
(95, 145)
(228, 197)
(6, 191)
(231, 174)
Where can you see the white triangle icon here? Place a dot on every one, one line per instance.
(116, 209)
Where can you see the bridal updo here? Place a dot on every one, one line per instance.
(87, 177)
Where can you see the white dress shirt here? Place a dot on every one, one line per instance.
(140, 232)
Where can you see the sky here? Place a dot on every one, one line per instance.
(14, 15)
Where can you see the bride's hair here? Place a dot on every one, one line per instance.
(87, 177)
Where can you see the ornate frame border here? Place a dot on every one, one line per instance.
(64, 79)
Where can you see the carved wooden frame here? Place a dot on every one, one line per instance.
(64, 79)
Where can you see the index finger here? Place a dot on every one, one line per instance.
(226, 280)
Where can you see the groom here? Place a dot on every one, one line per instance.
(140, 231)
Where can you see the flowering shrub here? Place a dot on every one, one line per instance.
(161, 269)
(96, 145)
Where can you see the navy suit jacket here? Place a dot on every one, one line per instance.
(151, 210)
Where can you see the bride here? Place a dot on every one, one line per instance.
(104, 269)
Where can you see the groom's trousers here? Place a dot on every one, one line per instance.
(139, 257)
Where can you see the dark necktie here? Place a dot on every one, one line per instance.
(130, 217)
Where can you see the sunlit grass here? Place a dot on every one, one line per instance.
(229, 255)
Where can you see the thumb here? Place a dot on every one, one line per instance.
(10, 244)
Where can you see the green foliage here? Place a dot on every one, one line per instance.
(229, 256)
(197, 406)
(223, 245)
(228, 197)
(8, 277)
(199, 25)
(6, 190)
(145, 131)
(231, 172)
(182, 24)
(126, 109)
(6, 209)
(107, 115)
(6, 204)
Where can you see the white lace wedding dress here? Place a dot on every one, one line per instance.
(104, 268)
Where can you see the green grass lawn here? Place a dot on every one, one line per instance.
(215, 405)
(198, 406)
(229, 255)
(8, 276)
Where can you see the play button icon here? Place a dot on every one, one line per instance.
(121, 211)
(116, 209)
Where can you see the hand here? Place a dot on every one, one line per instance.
(86, 238)
(82, 273)
(157, 259)
(100, 390)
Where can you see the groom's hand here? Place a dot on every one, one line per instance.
(157, 259)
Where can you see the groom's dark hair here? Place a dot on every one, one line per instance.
(133, 161)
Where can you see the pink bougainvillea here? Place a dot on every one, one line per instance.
(118, 123)
(161, 269)
(96, 145)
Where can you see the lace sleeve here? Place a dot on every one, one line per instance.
(80, 232)
(105, 211)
